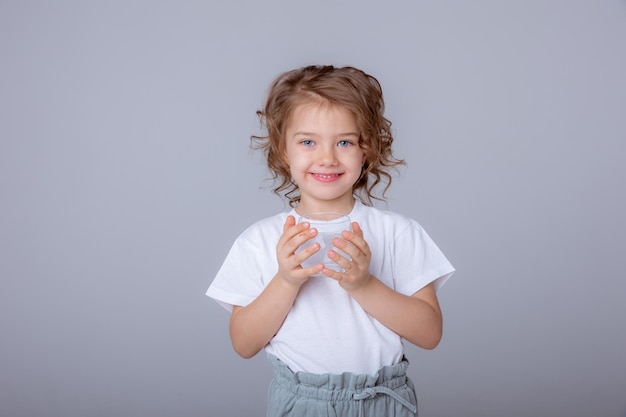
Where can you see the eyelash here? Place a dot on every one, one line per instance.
(341, 143)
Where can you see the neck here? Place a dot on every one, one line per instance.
(343, 207)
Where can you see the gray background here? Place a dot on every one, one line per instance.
(125, 175)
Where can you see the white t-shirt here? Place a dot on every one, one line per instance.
(326, 330)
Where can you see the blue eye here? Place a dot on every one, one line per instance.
(307, 142)
(344, 143)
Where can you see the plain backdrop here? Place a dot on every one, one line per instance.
(126, 174)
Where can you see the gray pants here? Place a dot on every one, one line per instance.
(388, 394)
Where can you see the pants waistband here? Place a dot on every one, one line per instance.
(346, 386)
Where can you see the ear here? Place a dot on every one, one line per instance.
(364, 167)
(363, 150)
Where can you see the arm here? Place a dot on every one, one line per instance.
(253, 326)
(416, 318)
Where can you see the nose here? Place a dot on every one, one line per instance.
(326, 156)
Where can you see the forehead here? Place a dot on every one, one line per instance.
(321, 115)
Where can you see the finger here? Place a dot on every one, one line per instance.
(291, 229)
(348, 248)
(293, 261)
(331, 273)
(356, 238)
(289, 222)
(345, 244)
(357, 229)
(307, 252)
(303, 233)
(347, 263)
(312, 270)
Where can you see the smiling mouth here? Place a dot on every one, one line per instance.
(325, 177)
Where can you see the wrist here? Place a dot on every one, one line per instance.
(363, 287)
(287, 283)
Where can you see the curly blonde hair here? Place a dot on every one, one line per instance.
(348, 87)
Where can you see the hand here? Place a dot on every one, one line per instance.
(356, 272)
(294, 235)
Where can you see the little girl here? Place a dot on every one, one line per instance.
(334, 335)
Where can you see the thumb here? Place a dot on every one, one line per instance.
(357, 229)
(289, 222)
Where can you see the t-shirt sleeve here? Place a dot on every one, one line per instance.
(419, 261)
(238, 281)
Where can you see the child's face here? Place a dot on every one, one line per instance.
(324, 156)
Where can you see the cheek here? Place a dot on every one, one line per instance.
(290, 158)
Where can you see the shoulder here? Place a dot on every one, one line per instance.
(267, 223)
(265, 230)
(384, 219)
